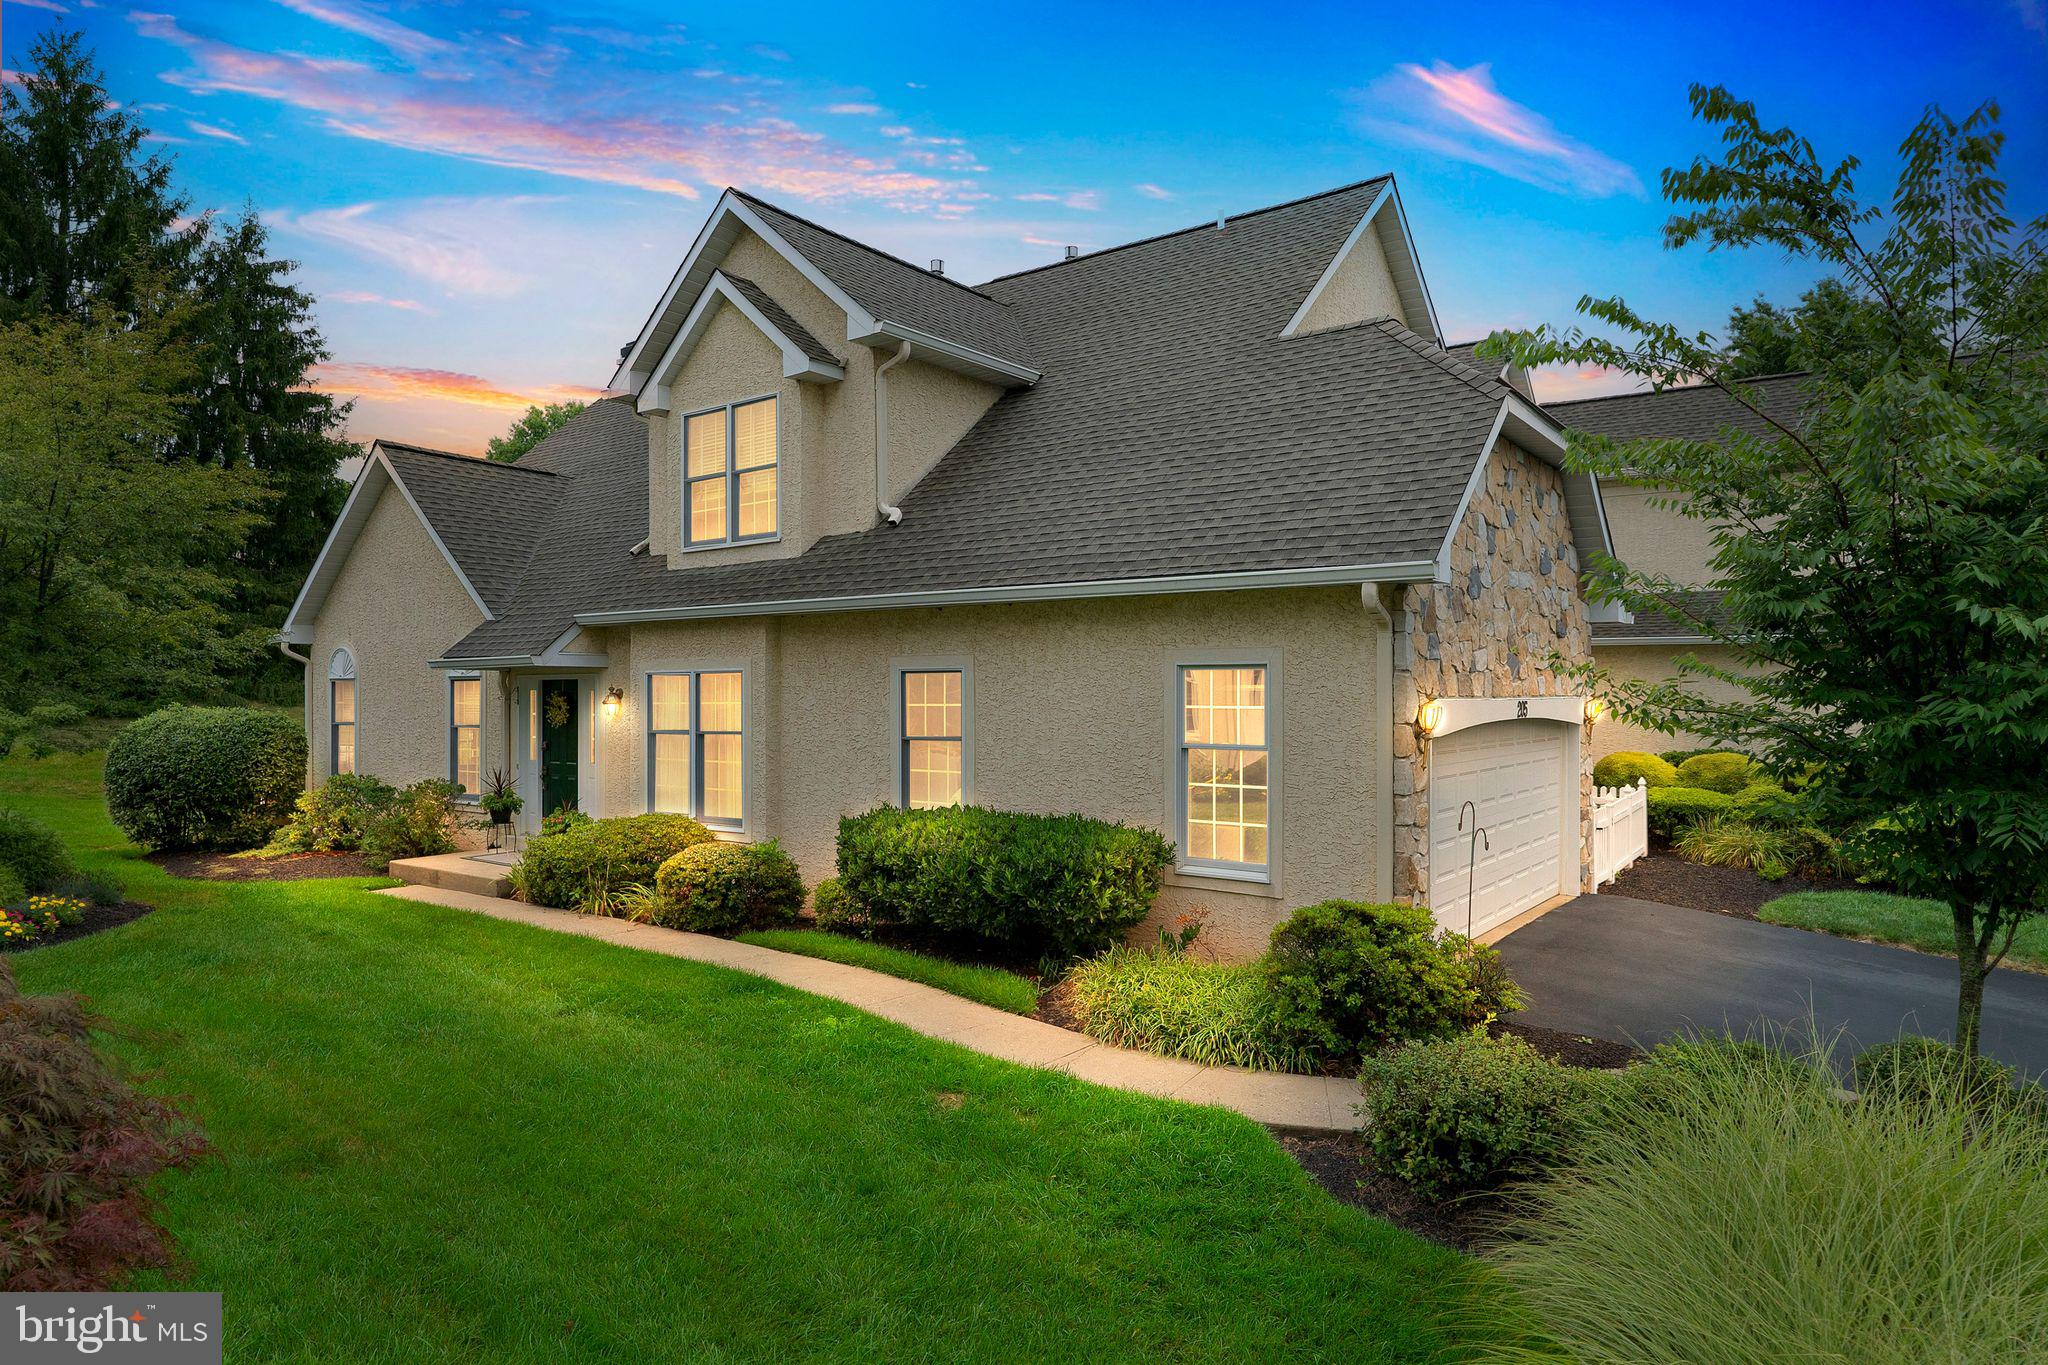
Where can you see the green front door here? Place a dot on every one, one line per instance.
(557, 744)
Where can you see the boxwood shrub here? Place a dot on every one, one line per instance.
(716, 888)
(32, 851)
(1046, 885)
(1673, 810)
(591, 866)
(205, 776)
(1719, 772)
(1622, 769)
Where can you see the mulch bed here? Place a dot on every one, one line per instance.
(98, 918)
(1736, 891)
(225, 867)
(1570, 1049)
(1343, 1166)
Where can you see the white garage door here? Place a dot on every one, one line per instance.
(1513, 773)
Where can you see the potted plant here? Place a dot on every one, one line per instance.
(501, 801)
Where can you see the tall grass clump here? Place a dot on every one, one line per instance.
(1752, 1214)
(1215, 1013)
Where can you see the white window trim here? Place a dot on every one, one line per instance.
(1223, 876)
(938, 663)
(477, 796)
(341, 667)
(696, 732)
(731, 476)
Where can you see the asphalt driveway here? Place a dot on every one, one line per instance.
(1612, 967)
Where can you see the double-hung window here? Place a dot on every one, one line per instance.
(466, 734)
(1225, 761)
(934, 738)
(695, 741)
(342, 715)
(730, 485)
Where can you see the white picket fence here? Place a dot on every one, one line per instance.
(1621, 829)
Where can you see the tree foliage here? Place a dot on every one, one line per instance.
(1884, 556)
(537, 425)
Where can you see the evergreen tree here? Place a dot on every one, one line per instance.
(84, 216)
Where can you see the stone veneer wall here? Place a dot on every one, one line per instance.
(1512, 603)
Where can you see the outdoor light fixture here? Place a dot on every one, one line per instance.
(1430, 718)
(613, 699)
(1595, 708)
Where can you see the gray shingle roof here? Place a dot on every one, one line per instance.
(779, 315)
(1649, 627)
(489, 515)
(894, 290)
(1696, 412)
(1174, 432)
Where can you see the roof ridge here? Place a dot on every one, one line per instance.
(1400, 331)
(1676, 388)
(482, 460)
(1210, 226)
(864, 246)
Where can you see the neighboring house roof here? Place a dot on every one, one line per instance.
(1659, 628)
(1696, 412)
(1175, 438)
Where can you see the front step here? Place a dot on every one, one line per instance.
(454, 872)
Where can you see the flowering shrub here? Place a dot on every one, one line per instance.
(42, 915)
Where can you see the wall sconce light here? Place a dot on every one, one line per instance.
(614, 698)
(1595, 708)
(1429, 718)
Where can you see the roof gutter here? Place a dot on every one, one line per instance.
(1403, 571)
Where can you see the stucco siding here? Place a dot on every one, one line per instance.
(1072, 710)
(395, 605)
(1362, 287)
(1654, 539)
(1655, 663)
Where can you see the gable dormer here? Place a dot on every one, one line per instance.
(778, 353)
(1375, 274)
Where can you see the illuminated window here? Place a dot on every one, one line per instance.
(730, 488)
(934, 739)
(466, 733)
(1225, 756)
(695, 746)
(343, 750)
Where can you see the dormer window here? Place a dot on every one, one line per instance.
(730, 489)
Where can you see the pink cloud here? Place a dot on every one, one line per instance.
(357, 379)
(853, 108)
(353, 18)
(361, 296)
(1151, 191)
(1088, 200)
(437, 240)
(1460, 114)
(51, 5)
(1585, 381)
(461, 119)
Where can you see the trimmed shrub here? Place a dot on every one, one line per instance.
(1718, 772)
(1622, 770)
(592, 865)
(418, 823)
(77, 1153)
(1039, 885)
(1673, 810)
(32, 851)
(205, 776)
(1927, 1073)
(1677, 756)
(1889, 1233)
(13, 891)
(1468, 1112)
(1347, 977)
(1767, 803)
(835, 909)
(334, 816)
(716, 888)
(90, 889)
(1210, 1012)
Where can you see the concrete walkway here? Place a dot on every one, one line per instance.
(1616, 967)
(1310, 1105)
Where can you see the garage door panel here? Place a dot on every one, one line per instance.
(1513, 773)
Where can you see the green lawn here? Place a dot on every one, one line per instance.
(1902, 920)
(989, 985)
(443, 1137)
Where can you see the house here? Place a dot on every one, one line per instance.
(1651, 535)
(1207, 532)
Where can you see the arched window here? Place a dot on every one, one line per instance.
(341, 712)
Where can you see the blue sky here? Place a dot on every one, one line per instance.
(486, 198)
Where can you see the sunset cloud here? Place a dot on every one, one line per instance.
(353, 18)
(363, 296)
(438, 241)
(497, 122)
(1461, 115)
(1089, 200)
(354, 379)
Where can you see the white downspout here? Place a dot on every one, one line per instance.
(890, 513)
(1383, 709)
(305, 694)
